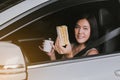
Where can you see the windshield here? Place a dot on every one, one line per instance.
(4, 4)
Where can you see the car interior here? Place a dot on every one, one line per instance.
(107, 23)
(31, 36)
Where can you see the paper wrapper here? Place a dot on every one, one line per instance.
(62, 32)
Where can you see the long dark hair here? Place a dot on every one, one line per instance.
(93, 25)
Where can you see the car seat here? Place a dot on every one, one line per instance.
(107, 24)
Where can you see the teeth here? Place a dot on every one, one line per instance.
(80, 36)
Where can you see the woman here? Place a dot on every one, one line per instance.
(85, 32)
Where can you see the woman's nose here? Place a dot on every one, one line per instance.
(80, 31)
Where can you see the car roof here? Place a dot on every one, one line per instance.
(16, 10)
(4, 4)
(9, 12)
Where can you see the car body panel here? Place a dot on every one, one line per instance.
(97, 68)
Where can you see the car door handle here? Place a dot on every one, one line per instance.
(117, 73)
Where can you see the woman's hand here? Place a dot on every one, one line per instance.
(66, 50)
(51, 54)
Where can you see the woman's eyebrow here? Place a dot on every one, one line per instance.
(85, 26)
(77, 25)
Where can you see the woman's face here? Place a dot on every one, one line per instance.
(82, 31)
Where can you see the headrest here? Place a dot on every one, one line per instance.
(105, 18)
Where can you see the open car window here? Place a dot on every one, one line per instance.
(31, 35)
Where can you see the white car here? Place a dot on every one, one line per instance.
(24, 24)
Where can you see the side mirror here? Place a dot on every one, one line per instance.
(12, 63)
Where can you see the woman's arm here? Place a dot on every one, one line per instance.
(52, 55)
(92, 51)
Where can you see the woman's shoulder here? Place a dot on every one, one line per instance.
(92, 51)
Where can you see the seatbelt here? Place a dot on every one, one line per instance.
(103, 39)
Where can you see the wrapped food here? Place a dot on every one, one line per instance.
(62, 32)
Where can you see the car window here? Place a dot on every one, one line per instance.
(32, 35)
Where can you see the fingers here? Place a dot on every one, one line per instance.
(52, 45)
(40, 48)
(58, 46)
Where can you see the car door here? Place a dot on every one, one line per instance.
(97, 68)
(30, 28)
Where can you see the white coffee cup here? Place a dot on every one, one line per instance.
(47, 45)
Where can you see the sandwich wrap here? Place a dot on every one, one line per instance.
(62, 32)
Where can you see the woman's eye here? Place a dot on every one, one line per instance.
(85, 28)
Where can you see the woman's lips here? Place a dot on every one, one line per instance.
(80, 37)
